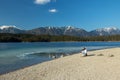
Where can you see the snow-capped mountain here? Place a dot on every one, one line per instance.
(106, 31)
(7, 27)
(46, 30)
(10, 29)
(67, 30)
(73, 31)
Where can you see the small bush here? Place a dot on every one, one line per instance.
(111, 55)
(100, 55)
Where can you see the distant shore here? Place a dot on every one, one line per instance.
(98, 65)
(9, 37)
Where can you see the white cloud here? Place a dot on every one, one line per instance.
(42, 2)
(53, 10)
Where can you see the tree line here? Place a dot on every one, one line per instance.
(7, 37)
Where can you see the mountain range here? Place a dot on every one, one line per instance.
(67, 30)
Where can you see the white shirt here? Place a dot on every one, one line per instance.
(84, 51)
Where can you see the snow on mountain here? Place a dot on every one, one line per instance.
(109, 29)
(106, 31)
(69, 27)
(73, 31)
(7, 27)
(10, 29)
(66, 30)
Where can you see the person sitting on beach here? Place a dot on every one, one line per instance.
(84, 52)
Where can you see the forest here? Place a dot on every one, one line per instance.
(7, 37)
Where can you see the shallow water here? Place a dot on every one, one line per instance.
(14, 56)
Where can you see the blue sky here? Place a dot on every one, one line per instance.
(86, 14)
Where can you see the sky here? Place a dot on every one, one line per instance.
(86, 14)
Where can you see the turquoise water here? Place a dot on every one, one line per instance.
(14, 56)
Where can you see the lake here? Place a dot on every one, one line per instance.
(15, 56)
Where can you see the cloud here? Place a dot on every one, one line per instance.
(53, 10)
(42, 2)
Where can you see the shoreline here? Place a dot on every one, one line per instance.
(59, 41)
(73, 67)
(40, 62)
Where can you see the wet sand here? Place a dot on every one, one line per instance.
(98, 65)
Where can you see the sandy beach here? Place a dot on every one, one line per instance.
(98, 65)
